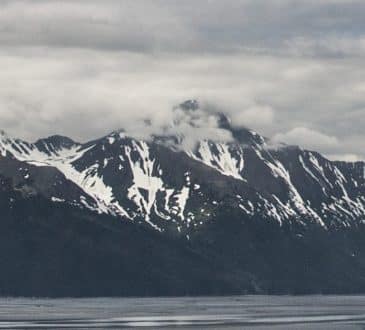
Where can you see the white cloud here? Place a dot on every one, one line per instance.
(345, 157)
(307, 138)
(253, 115)
(348, 149)
(84, 68)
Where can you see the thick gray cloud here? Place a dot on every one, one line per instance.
(291, 69)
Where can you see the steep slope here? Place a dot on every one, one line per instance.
(58, 249)
(49, 183)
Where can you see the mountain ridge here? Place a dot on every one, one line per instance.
(245, 215)
(130, 178)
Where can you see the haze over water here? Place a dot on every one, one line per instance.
(246, 312)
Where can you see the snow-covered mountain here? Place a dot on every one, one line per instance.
(199, 207)
(178, 187)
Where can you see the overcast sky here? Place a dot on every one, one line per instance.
(292, 70)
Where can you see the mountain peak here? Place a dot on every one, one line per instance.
(190, 105)
(116, 135)
(57, 141)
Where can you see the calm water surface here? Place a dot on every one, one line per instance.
(246, 312)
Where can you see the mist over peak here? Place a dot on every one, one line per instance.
(189, 105)
(191, 121)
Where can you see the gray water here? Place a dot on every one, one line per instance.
(246, 312)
